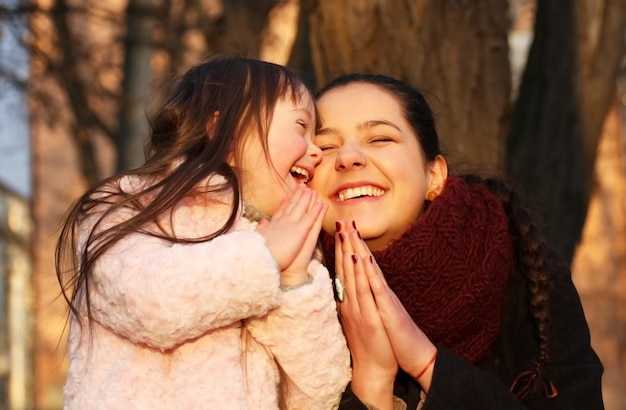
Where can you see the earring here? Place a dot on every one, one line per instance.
(431, 195)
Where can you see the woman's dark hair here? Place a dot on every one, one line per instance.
(532, 253)
(535, 260)
(202, 124)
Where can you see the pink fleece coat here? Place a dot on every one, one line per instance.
(203, 326)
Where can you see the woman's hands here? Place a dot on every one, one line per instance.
(291, 235)
(374, 365)
(380, 333)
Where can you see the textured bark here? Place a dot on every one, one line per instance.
(139, 50)
(238, 30)
(454, 50)
(563, 100)
(600, 46)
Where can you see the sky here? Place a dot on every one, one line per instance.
(15, 156)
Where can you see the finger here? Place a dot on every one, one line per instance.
(318, 210)
(390, 308)
(363, 303)
(310, 211)
(357, 243)
(316, 217)
(348, 266)
(299, 202)
(375, 277)
(365, 298)
(339, 279)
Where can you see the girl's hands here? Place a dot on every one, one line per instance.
(291, 235)
(411, 347)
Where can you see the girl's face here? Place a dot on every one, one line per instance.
(373, 169)
(268, 179)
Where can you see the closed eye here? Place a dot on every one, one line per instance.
(381, 139)
(326, 147)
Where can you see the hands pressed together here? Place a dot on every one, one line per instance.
(381, 335)
(291, 235)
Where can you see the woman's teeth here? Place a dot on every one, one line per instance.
(350, 193)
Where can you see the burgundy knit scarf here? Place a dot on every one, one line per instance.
(450, 269)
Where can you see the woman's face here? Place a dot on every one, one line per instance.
(372, 169)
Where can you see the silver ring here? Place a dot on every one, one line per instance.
(339, 288)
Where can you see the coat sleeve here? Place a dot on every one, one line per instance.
(572, 365)
(307, 342)
(162, 294)
(457, 384)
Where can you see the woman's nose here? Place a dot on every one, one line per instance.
(348, 157)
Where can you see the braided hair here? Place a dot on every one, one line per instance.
(531, 254)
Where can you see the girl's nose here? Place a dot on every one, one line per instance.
(314, 152)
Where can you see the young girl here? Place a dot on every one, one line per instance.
(192, 280)
(452, 298)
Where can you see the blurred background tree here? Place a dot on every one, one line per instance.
(96, 67)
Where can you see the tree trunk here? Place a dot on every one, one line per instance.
(239, 29)
(456, 51)
(560, 110)
(133, 127)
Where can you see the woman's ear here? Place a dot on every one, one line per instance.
(437, 174)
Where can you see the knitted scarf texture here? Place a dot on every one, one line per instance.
(450, 269)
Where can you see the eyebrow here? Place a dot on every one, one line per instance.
(361, 126)
(302, 110)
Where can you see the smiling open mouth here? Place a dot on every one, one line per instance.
(359, 192)
(300, 174)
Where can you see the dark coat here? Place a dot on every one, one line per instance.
(572, 365)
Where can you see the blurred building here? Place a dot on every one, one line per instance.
(16, 302)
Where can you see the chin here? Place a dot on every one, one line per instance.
(369, 232)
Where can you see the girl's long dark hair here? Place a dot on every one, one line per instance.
(202, 124)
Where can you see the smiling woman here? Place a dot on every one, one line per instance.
(451, 299)
(371, 154)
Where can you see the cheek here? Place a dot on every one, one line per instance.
(296, 144)
(321, 179)
(285, 155)
(411, 186)
(414, 207)
(300, 147)
(328, 224)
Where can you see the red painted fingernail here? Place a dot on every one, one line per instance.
(338, 226)
(354, 224)
(341, 238)
(354, 259)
